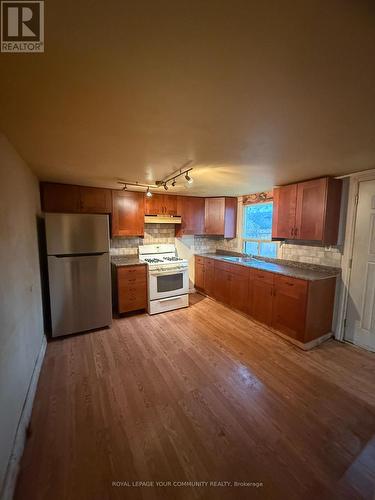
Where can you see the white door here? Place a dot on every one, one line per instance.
(360, 318)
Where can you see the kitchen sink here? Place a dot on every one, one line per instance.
(232, 258)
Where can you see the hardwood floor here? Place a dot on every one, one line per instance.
(200, 394)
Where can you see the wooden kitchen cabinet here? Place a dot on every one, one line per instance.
(262, 296)
(220, 216)
(284, 211)
(95, 200)
(308, 211)
(69, 198)
(64, 198)
(289, 306)
(199, 273)
(131, 288)
(191, 209)
(128, 213)
(297, 309)
(161, 204)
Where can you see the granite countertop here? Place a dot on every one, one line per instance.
(126, 260)
(299, 270)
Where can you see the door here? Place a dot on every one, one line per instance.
(262, 296)
(60, 197)
(289, 306)
(128, 213)
(199, 275)
(214, 216)
(222, 285)
(95, 200)
(191, 210)
(80, 293)
(284, 211)
(360, 318)
(209, 276)
(239, 291)
(170, 204)
(154, 205)
(311, 206)
(168, 283)
(76, 233)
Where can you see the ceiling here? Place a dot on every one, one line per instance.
(255, 93)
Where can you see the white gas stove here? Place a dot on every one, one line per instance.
(168, 278)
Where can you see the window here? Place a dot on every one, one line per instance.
(257, 230)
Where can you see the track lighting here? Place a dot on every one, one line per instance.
(188, 178)
(174, 183)
(125, 188)
(166, 187)
(148, 193)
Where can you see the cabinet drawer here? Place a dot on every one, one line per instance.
(265, 276)
(131, 273)
(199, 259)
(209, 263)
(239, 270)
(223, 266)
(291, 284)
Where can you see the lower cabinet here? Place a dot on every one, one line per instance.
(289, 306)
(131, 288)
(301, 310)
(262, 290)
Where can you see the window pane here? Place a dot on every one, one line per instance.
(251, 247)
(268, 250)
(257, 221)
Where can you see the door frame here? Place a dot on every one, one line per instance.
(354, 181)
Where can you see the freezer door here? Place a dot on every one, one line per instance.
(80, 293)
(76, 234)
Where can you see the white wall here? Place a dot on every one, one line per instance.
(21, 320)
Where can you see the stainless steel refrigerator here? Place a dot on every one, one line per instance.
(79, 272)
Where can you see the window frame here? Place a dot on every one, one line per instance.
(255, 240)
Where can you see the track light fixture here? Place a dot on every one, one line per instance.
(164, 182)
(188, 178)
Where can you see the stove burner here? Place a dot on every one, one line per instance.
(153, 261)
(172, 259)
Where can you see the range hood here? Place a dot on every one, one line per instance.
(162, 219)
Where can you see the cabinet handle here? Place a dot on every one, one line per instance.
(295, 231)
(291, 231)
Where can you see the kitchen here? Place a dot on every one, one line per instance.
(187, 228)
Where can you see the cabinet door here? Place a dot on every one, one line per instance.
(199, 275)
(127, 213)
(222, 281)
(214, 216)
(60, 197)
(289, 306)
(239, 291)
(170, 204)
(262, 296)
(284, 211)
(311, 204)
(154, 205)
(191, 210)
(209, 277)
(95, 200)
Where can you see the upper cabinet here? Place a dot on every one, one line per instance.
(220, 217)
(95, 200)
(308, 211)
(128, 209)
(75, 199)
(191, 209)
(161, 204)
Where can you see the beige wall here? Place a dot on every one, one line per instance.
(21, 321)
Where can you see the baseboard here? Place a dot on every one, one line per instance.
(20, 438)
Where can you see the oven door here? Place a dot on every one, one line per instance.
(168, 283)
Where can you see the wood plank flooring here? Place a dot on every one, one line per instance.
(200, 394)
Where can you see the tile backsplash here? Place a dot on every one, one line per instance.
(154, 234)
(325, 256)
